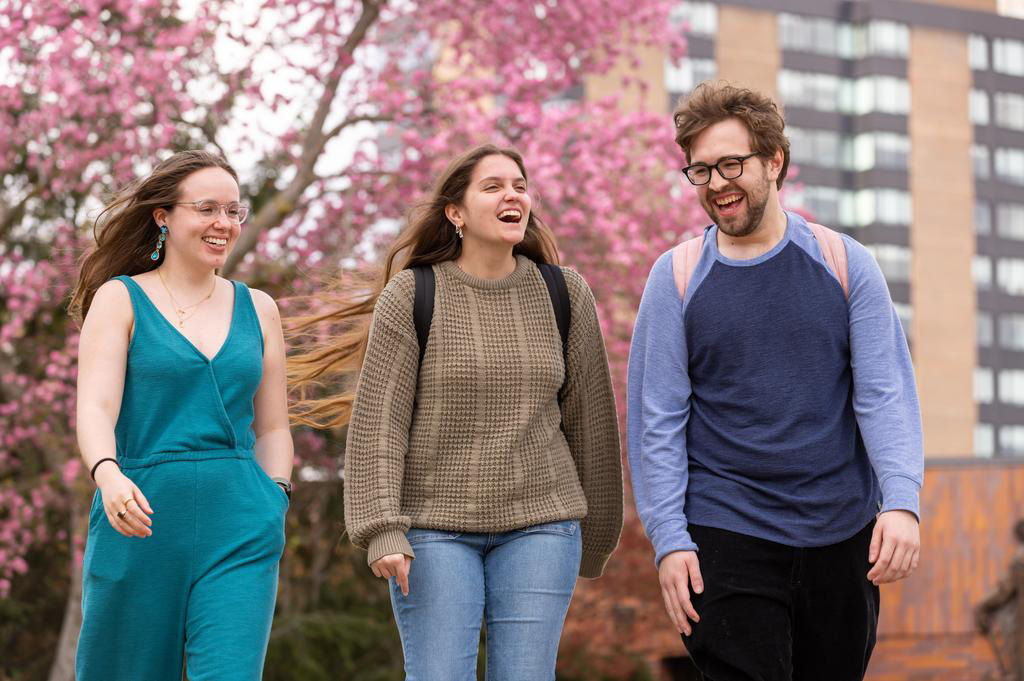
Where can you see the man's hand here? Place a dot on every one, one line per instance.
(678, 573)
(895, 547)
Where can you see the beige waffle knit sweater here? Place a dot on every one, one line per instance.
(472, 444)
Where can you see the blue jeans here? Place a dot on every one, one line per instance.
(521, 581)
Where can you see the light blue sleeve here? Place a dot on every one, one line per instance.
(884, 392)
(658, 409)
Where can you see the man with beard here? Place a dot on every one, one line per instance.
(774, 427)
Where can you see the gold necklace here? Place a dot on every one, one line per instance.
(182, 311)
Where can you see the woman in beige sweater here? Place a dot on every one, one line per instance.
(482, 468)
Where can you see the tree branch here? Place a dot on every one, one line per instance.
(11, 215)
(352, 120)
(275, 210)
(208, 130)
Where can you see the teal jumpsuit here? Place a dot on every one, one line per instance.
(203, 586)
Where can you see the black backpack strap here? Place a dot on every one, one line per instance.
(423, 305)
(559, 293)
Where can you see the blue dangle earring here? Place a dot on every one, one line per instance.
(155, 255)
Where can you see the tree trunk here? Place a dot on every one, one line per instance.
(63, 668)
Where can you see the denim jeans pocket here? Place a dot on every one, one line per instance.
(564, 527)
(417, 535)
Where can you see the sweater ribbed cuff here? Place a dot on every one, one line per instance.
(900, 493)
(592, 566)
(387, 543)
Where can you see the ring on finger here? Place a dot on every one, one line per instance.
(125, 502)
(121, 514)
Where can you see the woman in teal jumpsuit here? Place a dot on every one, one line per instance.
(182, 422)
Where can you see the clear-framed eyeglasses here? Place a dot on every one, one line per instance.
(209, 209)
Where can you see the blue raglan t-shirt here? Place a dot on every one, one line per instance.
(766, 402)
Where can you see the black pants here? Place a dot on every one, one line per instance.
(771, 612)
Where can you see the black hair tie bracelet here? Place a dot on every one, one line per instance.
(92, 473)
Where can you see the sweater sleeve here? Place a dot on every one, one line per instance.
(591, 428)
(378, 433)
(658, 411)
(884, 392)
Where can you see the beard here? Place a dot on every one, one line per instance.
(747, 222)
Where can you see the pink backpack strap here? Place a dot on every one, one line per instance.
(684, 259)
(834, 250)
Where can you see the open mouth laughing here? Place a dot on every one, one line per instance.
(510, 215)
(728, 204)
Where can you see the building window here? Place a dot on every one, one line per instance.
(810, 90)
(980, 161)
(1009, 110)
(982, 218)
(984, 440)
(682, 77)
(977, 52)
(793, 34)
(876, 149)
(821, 202)
(983, 328)
(1010, 275)
(984, 385)
(894, 207)
(894, 261)
(1010, 165)
(981, 272)
(825, 92)
(892, 150)
(888, 38)
(868, 206)
(817, 147)
(1008, 56)
(1011, 331)
(813, 34)
(1011, 440)
(1011, 386)
(875, 93)
(1010, 220)
(695, 18)
(978, 106)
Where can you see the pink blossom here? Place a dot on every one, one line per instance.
(104, 96)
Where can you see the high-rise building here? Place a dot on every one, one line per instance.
(906, 123)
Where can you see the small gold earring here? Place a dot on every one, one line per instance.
(458, 231)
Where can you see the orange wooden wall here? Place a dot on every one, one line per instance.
(968, 511)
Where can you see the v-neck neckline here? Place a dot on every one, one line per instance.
(227, 338)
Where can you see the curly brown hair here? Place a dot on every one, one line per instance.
(711, 103)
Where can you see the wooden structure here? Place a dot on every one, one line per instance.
(969, 507)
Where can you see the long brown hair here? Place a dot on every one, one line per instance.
(125, 231)
(332, 344)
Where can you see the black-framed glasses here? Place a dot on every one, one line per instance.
(729, 168)
(209, 209)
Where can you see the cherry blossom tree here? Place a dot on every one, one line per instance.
(338, 115)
